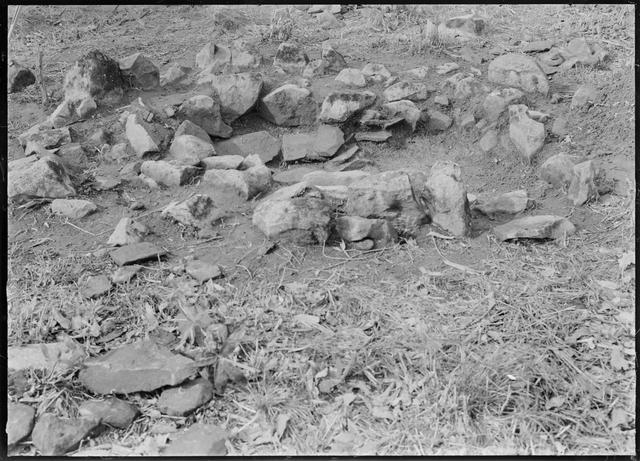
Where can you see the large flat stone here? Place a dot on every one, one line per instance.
(136, 252)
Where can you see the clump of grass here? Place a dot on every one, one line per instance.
(282, 25)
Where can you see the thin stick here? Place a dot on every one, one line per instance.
(13, 22)
(43, 88)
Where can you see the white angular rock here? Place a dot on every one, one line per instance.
(376, 73)
(168, 173)
(583, 187)
(223, 162)
(237, 93)
(190, 150)
(127, 231)
(535, 227)
(518, 70)
(497, 102)
(289, 105)
(528, 135)
(334, 178)
(406, 90)
(507, 203)
(339, 106)
(405, 109)
(352, 77)
(246, 184)
(44, 178)
(449, 204)
(141, 138)
(73, 209)
(261, 143)
(189, 128)
(193, 211)
(213, 58)
(557, 170)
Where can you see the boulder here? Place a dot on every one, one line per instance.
(535, 227)
(48, 138)
(112, 412)
(174, 75)
(376, 73)
(194, 211)
(520, 71)
(141, 136)
(244, 56)
(179, 401)
(298, 212)
(42, 178)
(356, 229)
(74, 209)
(19, 77)
(583, 187)
(438, 121)
(290, 58)
(507, 203)
(497, 102)
(390, 195)
(246, 184)
(406, 90)
(204, 111)
(405, 109)
(261, 143)
(557, 170)
(339, 106)
(237, 93)
(201, 271)
(448, 202)
(289, 105)
(198, 440)
(139, 71)
(127, 231)
(189, 128)
(168, 173)
(54, 436)
(190, 150)
(136, 252)
(352, 77)
(139, 367)
(94, 76)
(527, 134)
(585, 96)
(213, 59)
(20, 418)
(223, 162)
(317, 146)
(489, 141)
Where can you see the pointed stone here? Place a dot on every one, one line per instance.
(583, 187)
(136, 252)
(527, 134)
(127, 231)
(113, 412)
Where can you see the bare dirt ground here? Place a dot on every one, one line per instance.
(530, 352)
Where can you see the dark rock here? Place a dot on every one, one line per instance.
(141, 366)
(140, 71)
(520, 71)
(204, 112)
(182, 400)
(246, 184)
(136, 252)
(94, 76)
(355, 229)
(489, 141)
(54, 436)
(113, 412)
(19, 77)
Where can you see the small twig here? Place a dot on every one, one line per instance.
(452, 264)
(43, 88)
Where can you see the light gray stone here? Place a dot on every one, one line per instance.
(527, 134)
(190, 150)
(54, 436)
(43, 178)
(237, 93)
(194, 211)
(139, 71)
(289, 105)
(74, 209)
(535, 227)
(20, 419)
(339, 106)
(518, 70)
(406, 90)
(352, 77)
(167, 173)
(204, 111)
(449, 198)
(261, 143)
(127, 231)
(583, 187)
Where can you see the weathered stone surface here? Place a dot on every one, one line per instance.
(298, 212)
(74, 209)
(136, 252)
(246, 184)
(141, 366)
(199, 440)
(328, 21)
(447, 67)
(204, 111)
(322, 144)
(535, 227)
(259, 142)
(168, 173)
(46, 178)
(174, 75)
(94, 76)
(94, 287)
(55, 436)
(489, 141)
(441, 100)
(583, 187)
(497, 102)
(404, 108)
(193, 211)
(376, 73)
(189, 128)
(315, 68)
(113, 412)
(373, 136)
(19, 77)
(244, 56)
(419, 73)
(352, 77)
(406, 90)
(333, 61)
(289, 105)
(449, 198)
(290, 58)
(528, 135)
(389, 195)
(339, 106)
(237, 93)
(213, 58)
(292, 175)
(557, 170)
(333, 178)
(507, 203)
(438, 121)
(467, 121)
(64, 114)
(141, 136)
(468, 24)
(182, 400)
(125, 273)
(584, 97)
(356, 229)
(538, 116)
(46, 136)
(537, 46)
(201, 271)
(464, 86)
(223, 162)
(520, 71)
(20, 418)
(127, 231)
(190, 150)
(62, 355)
(139, 71)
